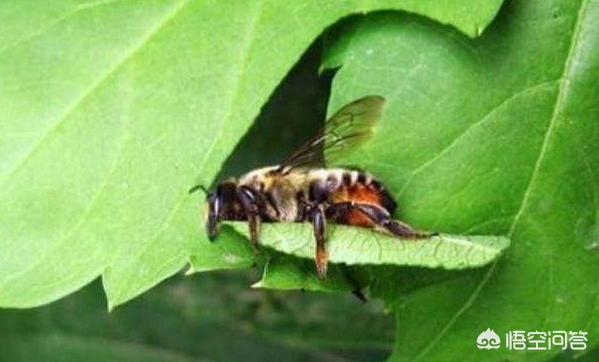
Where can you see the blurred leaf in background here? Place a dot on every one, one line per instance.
(213, 318)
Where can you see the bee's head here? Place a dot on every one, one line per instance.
(220, 200)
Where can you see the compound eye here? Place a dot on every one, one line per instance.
(214, 202)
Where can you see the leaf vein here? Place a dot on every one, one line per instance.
(469, 129)
(459, 313)
(181, 199)
(94, 199)
(93, 87)
(558, 104)
(59, 19)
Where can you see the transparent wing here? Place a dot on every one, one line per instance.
(351, 125)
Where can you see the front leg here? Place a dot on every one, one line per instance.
(248, 201)
(318, 219)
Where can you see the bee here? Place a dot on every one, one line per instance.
(301, 189)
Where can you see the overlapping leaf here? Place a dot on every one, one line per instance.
(358, 246)
(495, 135)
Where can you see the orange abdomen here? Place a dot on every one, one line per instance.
(358, 193)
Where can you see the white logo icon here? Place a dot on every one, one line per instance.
(488, 340)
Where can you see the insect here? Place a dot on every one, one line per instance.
(301, 189)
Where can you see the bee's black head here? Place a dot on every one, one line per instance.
(220, 202)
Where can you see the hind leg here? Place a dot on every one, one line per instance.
(379, 217)
(317, 216)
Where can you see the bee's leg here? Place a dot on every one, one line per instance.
(381, 217)
(247, 199)
(338, 211)
(303, 207)
(318, 219)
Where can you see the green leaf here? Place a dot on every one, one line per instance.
(352, 245)
(495, 135)
(285, 273)
(111, 110)
(232, 252)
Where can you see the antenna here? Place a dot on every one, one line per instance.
(198, 187)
